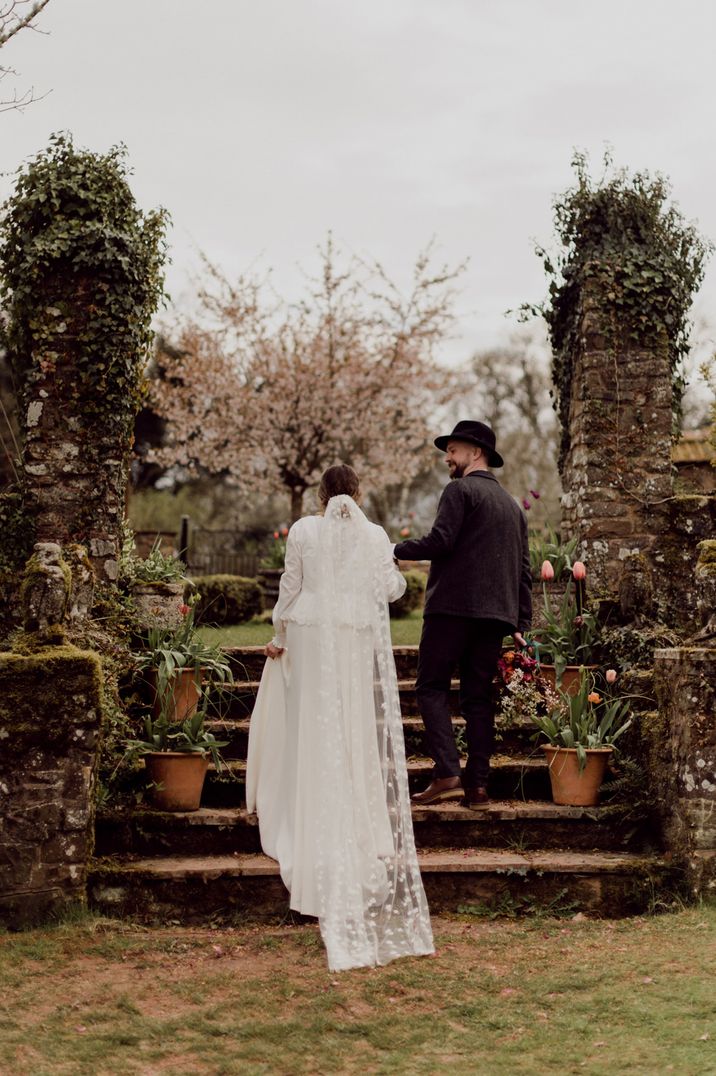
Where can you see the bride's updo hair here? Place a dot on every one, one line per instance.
(336, 480)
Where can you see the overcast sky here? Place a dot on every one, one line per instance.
(261, 124)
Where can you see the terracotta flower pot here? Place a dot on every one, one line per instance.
(570, 676)
(177, 778)
(183, 697)
(569, 786)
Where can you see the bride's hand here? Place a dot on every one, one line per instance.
(272, 651)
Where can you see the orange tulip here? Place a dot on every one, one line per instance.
(594, 697)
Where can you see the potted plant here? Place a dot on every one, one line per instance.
(176, 756)
(175, 662)
(155, 582)
(551, 563)
(568, 633)
(181, 670)
(581, 731)
(545, 546)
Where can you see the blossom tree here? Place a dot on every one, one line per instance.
(272, 393)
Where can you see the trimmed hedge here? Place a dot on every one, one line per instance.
(413, 597)
(226, 599)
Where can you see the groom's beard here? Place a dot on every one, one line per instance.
(457, 470)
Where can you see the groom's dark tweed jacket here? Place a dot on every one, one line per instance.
(479, 552)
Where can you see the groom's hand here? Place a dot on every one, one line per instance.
(519, 638)
(272, 651)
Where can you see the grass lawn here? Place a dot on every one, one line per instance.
(405, 632)
(500, 998)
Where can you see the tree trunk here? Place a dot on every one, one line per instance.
(296, 503)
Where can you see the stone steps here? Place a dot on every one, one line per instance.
(521, 853)
(237, 700)
(233, 888)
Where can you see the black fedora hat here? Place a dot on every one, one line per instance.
(477, 433)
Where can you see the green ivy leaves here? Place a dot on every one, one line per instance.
(641, 260)
(81, 269)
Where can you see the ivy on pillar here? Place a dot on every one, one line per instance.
(80, 278)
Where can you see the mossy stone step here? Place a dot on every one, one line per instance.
(511, 777)
(503, 824)
(247, 662)
(237, 888)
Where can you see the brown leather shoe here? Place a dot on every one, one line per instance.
(476, 798)
(439, 789)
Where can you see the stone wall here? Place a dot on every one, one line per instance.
(50, 717)
(683, 759)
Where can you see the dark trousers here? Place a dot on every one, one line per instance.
(472, 646)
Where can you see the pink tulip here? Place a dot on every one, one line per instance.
(611, 676)
(578, 570)
(405, 532)
(547, 571)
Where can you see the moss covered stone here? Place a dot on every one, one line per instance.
(707, 556)
(50, 720)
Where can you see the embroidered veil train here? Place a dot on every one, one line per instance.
(326, 768)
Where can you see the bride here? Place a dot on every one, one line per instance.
(326, 770)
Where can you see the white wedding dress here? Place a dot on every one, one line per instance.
(326, 767)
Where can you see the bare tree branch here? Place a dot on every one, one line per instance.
(12, 21)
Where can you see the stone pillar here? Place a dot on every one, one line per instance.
(683, 760)
(50, 714)
(617, 463)
(75, 472)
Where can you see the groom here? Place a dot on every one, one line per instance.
(479, 590)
